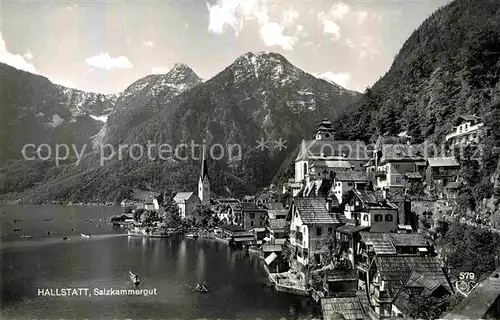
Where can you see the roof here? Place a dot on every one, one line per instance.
(408, 240)
(349, 307)
(443, 162)
(416, 284)
(350, 228)
(231, 227)
(272, 214)
(204, 166)
(413, 175)
(273, 205)
(313, 211)
(181, 197)
(480, 300)
(341, 275)
(452, 185)
(373, 199)
(271, 258)
(331, 149)
(351, 175)
(380, 242)
(244, 239)
(467, 117)
(331, 164)
(247, 207)
(277, 224)
(272, 248)
(396, 270)
(279, 241)
(238, 234)
(401, 152)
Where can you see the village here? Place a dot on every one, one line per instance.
(346, 230)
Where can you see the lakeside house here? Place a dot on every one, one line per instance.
(467, 129)
(252, 216)
(186, 201)
(310, 221)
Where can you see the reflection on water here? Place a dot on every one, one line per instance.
(171, 265)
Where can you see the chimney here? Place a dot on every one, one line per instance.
(386, 193)
(329, 204)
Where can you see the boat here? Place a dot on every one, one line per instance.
(200, 288)
(18, 229)
(192, 235)
(16, 220)
(65, 238)
(134, 277)
(85, 235)
(26, 237)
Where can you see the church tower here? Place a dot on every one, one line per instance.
(325, 130)
(204, 183)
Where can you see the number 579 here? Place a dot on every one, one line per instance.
(467, 276)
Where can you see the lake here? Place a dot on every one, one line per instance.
(172, 266)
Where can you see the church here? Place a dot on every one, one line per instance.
(187, 201)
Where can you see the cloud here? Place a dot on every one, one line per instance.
(159, 70)
(342, 79)
(339, 10)
(104, 61)
(232, 14)
(149, 44)
(28, 55)
(63, 82)
(15, 60)
(332, 28)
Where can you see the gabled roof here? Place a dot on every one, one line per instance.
(341, 275)
(443, 162)
(350, 229)
(452, 185)
(181, 197)
(332, 149)
(349, 307)
(395, 270)
(277, 224)
(273, 205)
(334, 164)
(401, 152)
(413, 175)
(408, 240)
(272, 214)
(351, 175)
(373, 199)
(380, 242)
(312, 210)
(272, 248)
(468, 117)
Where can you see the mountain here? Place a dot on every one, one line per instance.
(36, 111)
(259, 96)
(145, 98)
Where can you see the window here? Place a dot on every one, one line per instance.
(388, 217)
(396, 167)
(378, 218)
(318, 231)
(260, 223)
(398, 179)
(252, 215)
(365, 218)
(305, 169)
(251, 223)
(330, 230)
(349, 184)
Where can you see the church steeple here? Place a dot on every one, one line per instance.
(204, 182)
(325, 130)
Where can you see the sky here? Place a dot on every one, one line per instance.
(104, 47)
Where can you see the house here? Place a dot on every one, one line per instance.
(416, 285)
(321, 157)
(151, 203)
(345, 181)
(467, 129)
(371, 209)
(273, 258)
(482, 303)
(450, 191)
(242, 238)
(392, 162)
(310, 222)
(252, 215)
(347, 238)
(226, 231)
(277, 229)
(186, 201)
(388, 274)
(340, 282)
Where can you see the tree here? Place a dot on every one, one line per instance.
(202, 215)
(170, 215)
(428, 308)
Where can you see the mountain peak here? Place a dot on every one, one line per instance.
(182, 73)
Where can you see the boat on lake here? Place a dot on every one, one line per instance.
(148, 234)
(26, 237)
(192, 235)
(200, 288)
(65, 238)
(85, 235)
(134, 277)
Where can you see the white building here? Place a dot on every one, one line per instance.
(345, 181)
(466, 129)
(204, 181)
(186, 201)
